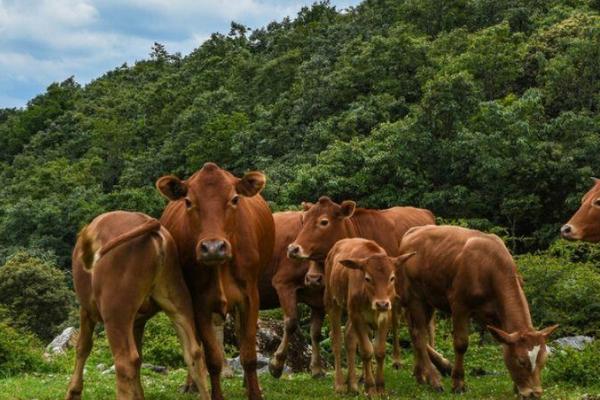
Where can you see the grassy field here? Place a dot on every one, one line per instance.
(487, 359)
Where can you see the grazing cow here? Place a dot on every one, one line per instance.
(471, 275)
(282, 284)
(224, 233)
(359, 279)
(326, 222)
(585, 223)
(125, 270)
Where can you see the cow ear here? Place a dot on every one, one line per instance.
(401, 259)
(347, 208)
(548, 331)
(352, 263)
(171, 187)
(306, 205)
(251, 184)
(502, 336)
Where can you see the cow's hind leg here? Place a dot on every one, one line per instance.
(418, 318)
(84, 346)
(288, 300)
(178, 308)
(317, 315)
(119, 330)
(351, 347)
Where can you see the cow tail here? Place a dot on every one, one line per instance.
(148, 227)
(87, 249)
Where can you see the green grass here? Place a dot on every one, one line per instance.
(400, 384)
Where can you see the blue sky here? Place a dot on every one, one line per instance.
(44, 41)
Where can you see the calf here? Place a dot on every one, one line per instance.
(585, 223)
(224, 232)
(471, 275)
(359, 279)
(125, 269)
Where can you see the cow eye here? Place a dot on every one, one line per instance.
(188, 203)
(368, 278)
(235, 200)
(392, 279)
(324, 222)
(597, 202)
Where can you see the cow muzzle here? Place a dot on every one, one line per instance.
(382, 305)
(535, 393)
(314, 280)
(568, 231)
(296, 251)
(213, 251)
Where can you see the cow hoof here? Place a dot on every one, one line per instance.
(439, 389)
(397, 365)
(275, 370)
(341, 388)
(318, 374)
(191, 388)
(73, 396)
(459, 389)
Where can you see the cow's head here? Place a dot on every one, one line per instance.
(525, 354)
(323, 224)
(585, 223)
(211, 199)
(378, 278)
(314, 277)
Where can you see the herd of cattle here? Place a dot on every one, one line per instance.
(218, 249)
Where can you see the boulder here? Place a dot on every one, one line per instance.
(64, 341)
(573, 342)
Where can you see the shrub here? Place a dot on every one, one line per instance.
(574, 366)
(161, 345)
(35, 294)
(563, 292)
(19, 352)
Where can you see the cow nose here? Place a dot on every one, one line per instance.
(293, 250)
(313, 279)
(214, 250)
(566, 230)
(382, 305)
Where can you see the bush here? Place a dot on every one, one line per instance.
(19, 352)
(563, 292)
(161, 345)
(574, 366)
(35, 294)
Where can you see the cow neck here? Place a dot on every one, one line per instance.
(352, 228)
(514, 311)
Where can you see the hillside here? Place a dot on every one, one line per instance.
(483, 110)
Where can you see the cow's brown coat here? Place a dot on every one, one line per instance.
(469, 274)
(125, 269)
(224, 232)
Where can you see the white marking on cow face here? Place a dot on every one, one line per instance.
(533, 354)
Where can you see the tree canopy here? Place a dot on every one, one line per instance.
(477, 109)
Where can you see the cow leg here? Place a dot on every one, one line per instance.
(460, 336)
(178, 308)
(418, 316)
(431, 331)
(366, 352)
(84, 346)
(335, 322)
(351, 346)
(396, 315)
(138, 334)
(248, 328)
(119, 330)
(212, 350)
(289, 305)
(380, 341)
(316, 323)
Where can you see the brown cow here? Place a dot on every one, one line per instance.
(585, 223)
(282, 284)
(224, 232)
(125, 270)
(469, 274)
(326, 222)
(359, 279)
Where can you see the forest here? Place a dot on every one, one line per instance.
(486, 112)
